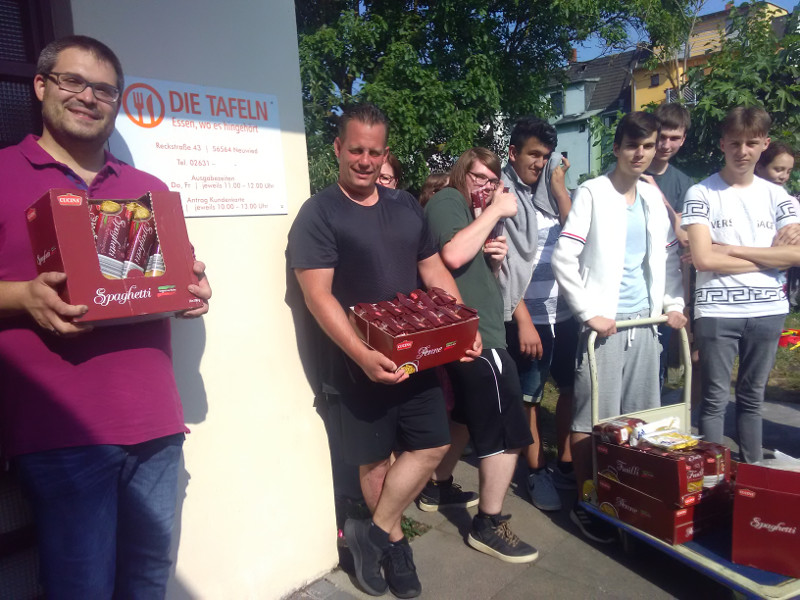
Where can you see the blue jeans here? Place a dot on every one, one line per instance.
(719, 340)
(104, 517)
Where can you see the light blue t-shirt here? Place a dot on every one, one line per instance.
(633, 287)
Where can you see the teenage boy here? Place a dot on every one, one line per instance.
(352, 242)
(675, 121)
(541, 333)
(615, 260)
(488, 399)
(740, 304)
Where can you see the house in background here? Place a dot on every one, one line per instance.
(659, 85)
(620, 82)
(598, 87)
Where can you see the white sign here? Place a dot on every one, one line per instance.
(220, 148)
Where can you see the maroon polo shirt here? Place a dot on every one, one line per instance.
(113, 385)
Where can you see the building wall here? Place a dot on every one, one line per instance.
(574, 99)
(576, 144)
(256, 515)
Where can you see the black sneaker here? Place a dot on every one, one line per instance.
(445, 494)
(592, 527)
(367, 556)
(492, 536)
(400, 571)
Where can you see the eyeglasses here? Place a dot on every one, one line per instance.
(69, 82)
(482, 180)
(385, 179)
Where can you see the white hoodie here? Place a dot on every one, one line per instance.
(589, 257)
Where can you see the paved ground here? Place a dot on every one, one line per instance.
(568, 566)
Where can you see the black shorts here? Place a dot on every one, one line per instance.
(488, 400)
(376, 419)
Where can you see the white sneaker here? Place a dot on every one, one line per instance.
(543, 493)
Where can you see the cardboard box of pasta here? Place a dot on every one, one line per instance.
(674, 477)
(766, 519)
(674, 525)
(418, 331)
(127, 260)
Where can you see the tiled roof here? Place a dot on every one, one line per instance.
(612, 75)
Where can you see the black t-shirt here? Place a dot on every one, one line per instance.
(373, 250)
(674, 184)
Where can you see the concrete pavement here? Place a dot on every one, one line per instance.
(568, 566)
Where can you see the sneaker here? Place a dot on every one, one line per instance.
(445, 494)
(543, 493)
(400, 571)
(563, 481)
(494, 537)
(367, 556)
(593, 527)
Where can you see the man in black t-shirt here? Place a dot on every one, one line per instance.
(357, 242)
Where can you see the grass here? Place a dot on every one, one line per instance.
(784, 380)
(412, 528)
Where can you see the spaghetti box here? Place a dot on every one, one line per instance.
(674, 525)
(421, 350)
(766, 519)
(673, 477)
(62, 237)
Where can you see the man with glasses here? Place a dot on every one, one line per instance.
(97, 447)
(488, 398)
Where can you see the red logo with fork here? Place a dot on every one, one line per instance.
(143, 105)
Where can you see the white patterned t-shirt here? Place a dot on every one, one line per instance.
(749, 216)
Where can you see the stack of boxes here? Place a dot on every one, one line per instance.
(670, 494)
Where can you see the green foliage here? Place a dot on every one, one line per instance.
(449, 74)
(752, 68)
(602, 131)
(412, 528)
(668, 25)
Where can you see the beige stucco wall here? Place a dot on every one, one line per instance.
(256, 519)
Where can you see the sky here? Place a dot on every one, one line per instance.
(592, 49)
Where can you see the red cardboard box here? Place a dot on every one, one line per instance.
(62, 238)
(422, 350)
(766, 519)
(662, 520)
(672, 477)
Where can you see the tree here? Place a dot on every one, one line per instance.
(449, 74)
(669, 25)
(752, 68)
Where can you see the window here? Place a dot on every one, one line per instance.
(655, 80)
(25, 28)
(557, 100)
(687, 94)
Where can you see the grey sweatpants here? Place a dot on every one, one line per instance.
(719, 340)
(627, 373)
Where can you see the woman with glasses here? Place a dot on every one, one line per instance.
(488, 397)
(391, 172)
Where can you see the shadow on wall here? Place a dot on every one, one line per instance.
(175, 589)
(188, 346)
